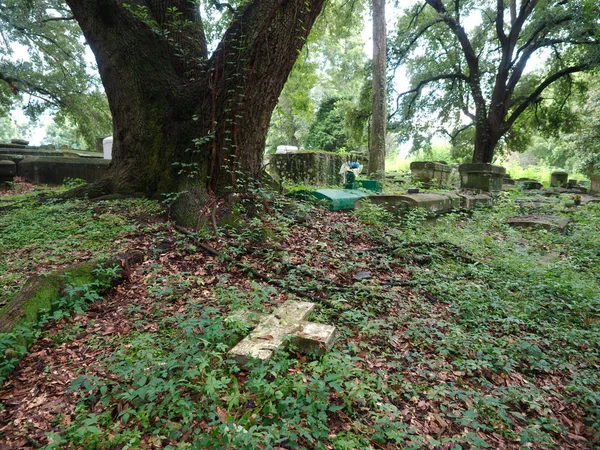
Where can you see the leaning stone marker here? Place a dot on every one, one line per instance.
(287, 324)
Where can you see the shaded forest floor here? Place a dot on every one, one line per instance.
(459, 332)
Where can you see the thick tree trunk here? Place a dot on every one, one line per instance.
(379, 118)
(197, 128)
(488, 131)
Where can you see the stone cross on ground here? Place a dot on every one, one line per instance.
(286, 324)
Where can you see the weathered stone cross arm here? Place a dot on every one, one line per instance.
(286, 325)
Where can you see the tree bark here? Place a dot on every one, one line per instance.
(379, 115)
(201, 127)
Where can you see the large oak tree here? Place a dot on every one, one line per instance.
(467, 61)
(185, 120)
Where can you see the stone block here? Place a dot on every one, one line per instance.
(53, 170)
(595, 185)
(559, 177)
(313, 337)
(309, 167)
(472, 201)
(481, 176)
(430, 171)
(530, 185)
(8, 170)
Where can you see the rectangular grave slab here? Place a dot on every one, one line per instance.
(543, 221)
(337, 199)
(433, 203)
(28, 151)
(286, 325)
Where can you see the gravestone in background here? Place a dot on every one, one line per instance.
(559, 177)
(429, 172)
(481, 176)
(308, 167)
(53, 170)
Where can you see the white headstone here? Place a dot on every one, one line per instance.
(107, 147)
(286, 149)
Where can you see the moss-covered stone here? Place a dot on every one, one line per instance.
(39, 295)
(431, 171)
(559, 177)
(308, 167)
(481, 176)
(595, 185)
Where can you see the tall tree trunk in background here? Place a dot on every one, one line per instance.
(379, 119)
(185, 122)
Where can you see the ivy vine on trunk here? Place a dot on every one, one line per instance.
(186, 121)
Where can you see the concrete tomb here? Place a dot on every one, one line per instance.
(529, 185)
(287, 325)
(309, 167)
(434, 203)
(53, 170)
(8, 170)
(481, 176)
(559, 177)
(44, 165)
(428, 172)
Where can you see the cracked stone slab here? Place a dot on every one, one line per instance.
(287, 325)
(544, 221)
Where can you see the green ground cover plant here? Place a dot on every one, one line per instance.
(41, 236)
(466, 334)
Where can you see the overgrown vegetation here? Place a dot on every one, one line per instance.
(467, 334)
(42, 235)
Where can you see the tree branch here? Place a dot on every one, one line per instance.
(538, 91)
(448, 76)
(500, 22)
(468, 51)
(414, 39)
(456, 132)
(31, 89)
